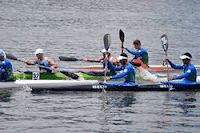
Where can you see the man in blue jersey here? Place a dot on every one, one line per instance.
(190, 72)
(140, 54)
(48, 63)
(126, 69)
(6, 72)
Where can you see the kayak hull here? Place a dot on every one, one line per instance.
(183, 85)
(94, 85)
(50, 84)
(100, 68)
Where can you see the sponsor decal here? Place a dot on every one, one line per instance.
(99, 86)
(125, 70)
(166, 86)
(36, 75)
(189, 71)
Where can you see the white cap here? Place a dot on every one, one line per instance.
(104, 51)
(185, 57)
(39, 51)
(1, 52)
(121, 58)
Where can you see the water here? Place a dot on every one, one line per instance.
(76, 28)
(98, 112)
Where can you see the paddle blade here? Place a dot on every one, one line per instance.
(121, 35)
(164, 41)
(65, 58)
(10, 56)
(107, 41)
(69, 74)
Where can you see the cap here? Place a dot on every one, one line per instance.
(122, 56)
(186, 56)
(104, 51)
(1, 53)
(38, 51)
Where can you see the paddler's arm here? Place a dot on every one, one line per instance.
(112, 67)
(30, 62)
(183, 75)
(173, 65)
(135, 52)
(121, 74)
(52, 63)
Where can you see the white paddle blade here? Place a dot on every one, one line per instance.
(164, 41)
(107, 41)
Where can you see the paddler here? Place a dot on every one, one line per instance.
(48, 63)
(141, 55)
(101, 59)
(127, 70)
(190, 72)
(6, 70)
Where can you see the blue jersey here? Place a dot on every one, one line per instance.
(6, 72)
(190, 72)
(45, 70)
(127, 71)
(142, 54)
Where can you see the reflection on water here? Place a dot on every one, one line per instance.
(120, 99)
(186, 102)
(5, 95)
(101, 112)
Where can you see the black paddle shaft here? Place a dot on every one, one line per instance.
(121, 36)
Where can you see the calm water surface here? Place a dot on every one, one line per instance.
(23, 111)
(76, 28)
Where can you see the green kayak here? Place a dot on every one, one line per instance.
(93, 76)
(30, 75)
(57, 76)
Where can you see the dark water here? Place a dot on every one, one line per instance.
(76, 28)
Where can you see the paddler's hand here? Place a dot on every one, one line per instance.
(169, 78)
(25, 61)
(107, 59)
(167, 58)
(123, 47)
(52, 68)
(85, 59)
(107, 78)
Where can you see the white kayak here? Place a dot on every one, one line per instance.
(38, 85)
(49, 84)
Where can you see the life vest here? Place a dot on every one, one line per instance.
(6, 72)
(43, 70)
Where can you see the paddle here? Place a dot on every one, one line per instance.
(68, 58)
(164, 42)
(107, 41)
(121, 36)
(69, 74)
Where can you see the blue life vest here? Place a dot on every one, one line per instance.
(6, 72)
(190, 72)
(142, 54)
(46, 65)
(127, 71)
